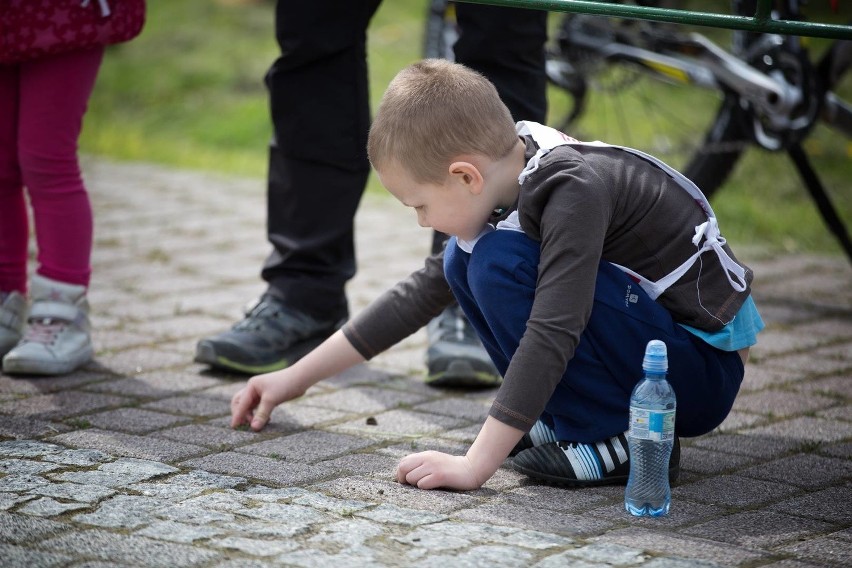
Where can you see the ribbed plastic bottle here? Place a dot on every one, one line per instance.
(651, 437)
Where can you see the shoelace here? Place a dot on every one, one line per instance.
(43, 331)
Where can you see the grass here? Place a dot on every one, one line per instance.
(189, 93)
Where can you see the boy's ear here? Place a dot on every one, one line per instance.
(467, 175)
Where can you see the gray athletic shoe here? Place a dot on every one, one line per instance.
(272, 336)
(13, 314)
(56, 340)
(455, 357)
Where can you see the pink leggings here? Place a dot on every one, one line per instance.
(42, 103)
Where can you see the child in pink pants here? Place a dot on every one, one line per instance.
(42, 104)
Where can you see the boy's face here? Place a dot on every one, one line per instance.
(456, 206)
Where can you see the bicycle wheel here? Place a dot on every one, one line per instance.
(606, 95)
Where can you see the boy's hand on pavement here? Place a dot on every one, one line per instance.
(429, 470)
(253, 404)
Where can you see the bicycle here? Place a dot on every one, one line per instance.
(766, 91)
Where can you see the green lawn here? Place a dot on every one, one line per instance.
(189, 93)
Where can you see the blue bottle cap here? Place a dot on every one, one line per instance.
(656, 358)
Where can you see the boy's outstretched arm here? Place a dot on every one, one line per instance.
(429, 470)
(253, 404)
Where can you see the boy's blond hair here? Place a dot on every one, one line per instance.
(434, 111)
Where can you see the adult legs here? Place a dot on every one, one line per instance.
(318, 168)
(507, 46)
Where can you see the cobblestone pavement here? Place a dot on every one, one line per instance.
(131, 461)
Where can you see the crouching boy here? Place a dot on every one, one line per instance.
(567, 258)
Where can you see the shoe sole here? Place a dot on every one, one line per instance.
(674, 474)
(205, 353)
(38, 367)
(461, 374)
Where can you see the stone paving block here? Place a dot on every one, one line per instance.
(28, 448)
(560, 498)
(386, 513)
(106, 339)
(261, 468)
(772, 342)
(736, 421)
(129, 445)
(825, 551)
(322, 502)
(291, 417)
(47, 507)
(473, 411)
(133, 420)
(759, 376)
(688, 547)
(364, 399)
(133, 550)
(843, 450)
(140, 360)
(61, 404)
(529, 517)
(396, 423)
(18, 482)
(191, 405)
(708, 462)
(18, 466)
(805, 429)
(11, 500)
(804, 470)
(179, 532)
(682, 513)
(810, 364)
(83, 493)
(781, 404)
(255, 547)
(831, 504)
(24, 529)
(364, 465)
(157, 384)
(390, 492)
(78, 457)
(308, 447)
(497, 556)
(24, 427)
(19, 556)
(122, 512)
(733, 491)
(42, 385)
(183, 325)
(758, 529)
(207, 435)
(753, 444)
(423, 444)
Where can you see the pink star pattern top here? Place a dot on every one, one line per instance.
(34, 28)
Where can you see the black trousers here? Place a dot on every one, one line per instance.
(319, 101)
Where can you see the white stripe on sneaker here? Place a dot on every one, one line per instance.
(604, 453)
(620, 450)
(592, 460)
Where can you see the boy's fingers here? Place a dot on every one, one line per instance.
(261, 415)
(240, 406)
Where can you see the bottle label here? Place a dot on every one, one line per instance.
(656, 425)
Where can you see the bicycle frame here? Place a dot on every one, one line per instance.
(760, 22)
(711, 67)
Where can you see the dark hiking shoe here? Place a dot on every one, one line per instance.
(455, 357)
(584, 465)
(272, 336)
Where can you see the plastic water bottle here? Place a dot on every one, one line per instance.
(651, 437)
